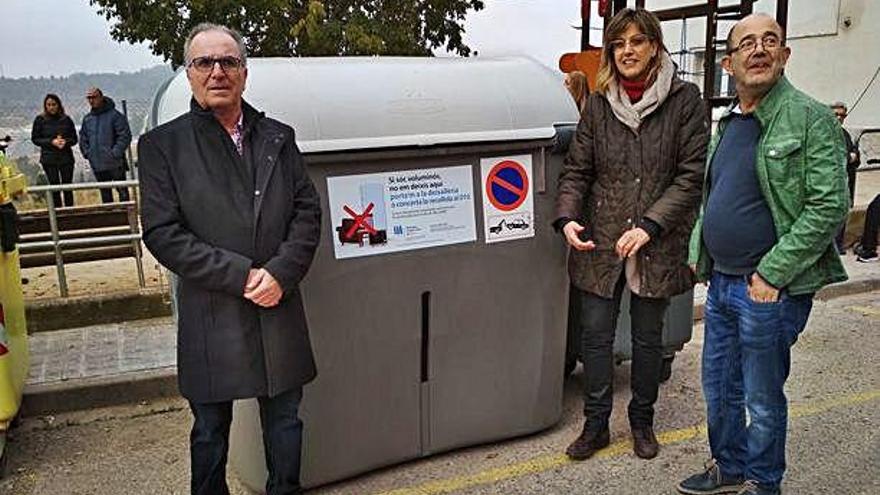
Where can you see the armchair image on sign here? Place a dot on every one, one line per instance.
(369, 226)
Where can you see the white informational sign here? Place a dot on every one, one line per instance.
(508, 205)
(398, 211)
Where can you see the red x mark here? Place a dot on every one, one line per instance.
(359, 221)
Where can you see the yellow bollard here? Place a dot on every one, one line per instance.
(13, 331)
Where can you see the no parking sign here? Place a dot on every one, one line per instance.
(508, 206)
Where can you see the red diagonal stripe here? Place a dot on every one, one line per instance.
(507, 185)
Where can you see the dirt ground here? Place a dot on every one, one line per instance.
(92, 278)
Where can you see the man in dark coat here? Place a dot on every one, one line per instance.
(228, 207)
(103, 139)
(853, 160)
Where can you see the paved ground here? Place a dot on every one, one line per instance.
(834, 443)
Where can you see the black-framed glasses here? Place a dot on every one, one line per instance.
(206, 64)
(750, 44)
(637, 42)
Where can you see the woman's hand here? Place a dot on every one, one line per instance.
(631, 241)
(59, 142)
(572, 230)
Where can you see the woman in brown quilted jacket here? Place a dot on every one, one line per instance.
(628, 196)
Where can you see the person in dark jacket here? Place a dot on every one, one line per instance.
(53, 131)
(229, 209)
(103, 139)
(628, 196)
(853, 160)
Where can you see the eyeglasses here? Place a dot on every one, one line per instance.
(206, 64)
(636, 42)
(750, 44)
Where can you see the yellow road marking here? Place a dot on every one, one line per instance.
(548, 462)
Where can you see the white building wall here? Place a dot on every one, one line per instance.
(835, 49)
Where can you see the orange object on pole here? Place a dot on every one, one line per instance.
(586, 62)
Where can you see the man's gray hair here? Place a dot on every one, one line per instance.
(207, 26)
(838, 104)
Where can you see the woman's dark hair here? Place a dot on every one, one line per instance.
(52, 96)
(648, 24)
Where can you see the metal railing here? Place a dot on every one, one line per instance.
(57, 244)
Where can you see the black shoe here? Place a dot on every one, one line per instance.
(865, 255)
(710, 482)
(588, 443)
(752, 487)
(644, 442)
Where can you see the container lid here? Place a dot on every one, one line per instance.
(365, 103)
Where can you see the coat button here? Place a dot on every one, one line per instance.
(256, 193)
(638, 180)
(629, 220)
(772, 152)
(271, 159)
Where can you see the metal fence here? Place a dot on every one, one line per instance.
(57, 244)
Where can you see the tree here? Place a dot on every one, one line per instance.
(283, 28)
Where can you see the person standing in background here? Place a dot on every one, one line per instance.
(53, 131)
(103, 139)
(853, 160)
(577, 85)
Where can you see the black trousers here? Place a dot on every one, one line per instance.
(60, 174)
(598, 323)
(282, 442)
(872, 222)
(111, 175)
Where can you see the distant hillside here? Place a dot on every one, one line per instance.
(21, 99)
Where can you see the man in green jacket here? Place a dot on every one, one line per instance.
(774, 196)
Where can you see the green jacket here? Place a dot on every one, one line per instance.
(801, 167)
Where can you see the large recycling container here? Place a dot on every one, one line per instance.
(13, 331)
(436, 300)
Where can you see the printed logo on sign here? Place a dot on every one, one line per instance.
(398, 230)
(507, 186)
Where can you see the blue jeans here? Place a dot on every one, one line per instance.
(746, 360)
(282, 439)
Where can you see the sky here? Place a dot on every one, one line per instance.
(61, 37)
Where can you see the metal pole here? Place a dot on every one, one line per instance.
(585, 25)
(59, 258)
(136, 244)
(709, 59)
(782, 15)
(682, 50)
(135, 196)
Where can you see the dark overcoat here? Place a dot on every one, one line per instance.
(210, 215)
(613, 177)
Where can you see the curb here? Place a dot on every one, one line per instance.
(83, 311)
(102, 391)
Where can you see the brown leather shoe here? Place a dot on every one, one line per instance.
(644, 442)
(588, 443)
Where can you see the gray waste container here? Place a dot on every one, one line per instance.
(436, 300)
